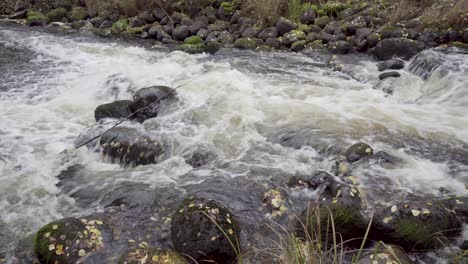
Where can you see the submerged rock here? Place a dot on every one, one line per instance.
(389, 74)
(147, 102)
(130, 147)
(358, 151)
(393, 64)
(399, 47)
(205, 231)
(68, 240)
(117, 109)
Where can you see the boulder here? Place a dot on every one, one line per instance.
(181, 32)
(250, 32)
(147, 102)
(147, 17)
(203, 33)
(450, 35)
(326, 37)
(35, 18)
(56, 15)
(192, 48)
(273, 42)
(226, 10)
(193, 40)
(77, 13)
(119, 26)
(135, 22)
(247, 43)
(372, 39)
(105, 25)
(298, 45)
(392, 32)
(269, 32)
(385, 75)
(340, 47)
(358, 151)
(68, 240)
(392, 64)
(284, 26)
(219, 25)
(416, 224)
(293, 36)
(315, 28)
(322, 21)
(430, 37)
(205, 231)
(129, 147)
(397, 47)
(308, 16)
(213, 46)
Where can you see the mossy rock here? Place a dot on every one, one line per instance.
(373, 39)
(77, 13)
(417, 224)
(358, 151)
(321, 13)
(309, 6)
(119, 26)
(193, 40)
(460, 45)
(315, 45)
(56, 15)
(228, 7)
(298, 45)
(246, 43)
(145, 254)
(35, 18)
(213, 46)
(342, 204)
(264, 48)
(67, 240)
(303, 27)
(192, 48)
(293, 36)
(136, 30)
(322, 21)
(205, 230)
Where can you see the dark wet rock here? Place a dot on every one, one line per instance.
(464, 245)
(362, 33)
(154, 31)
(392, 64)
(315, 45)
(358, 151)
(186, 21)
(130, 147)
(199, 157)
(284, 26)
(392, 32)
(131, 196)
(77, 13)
(397, 47)
(273, 42)
(203, 33)
(247, 43)
(135, 22)
(205, 231)
(308, 16)
(449, 35)
(314, 181)
(322, 21)
(213, 46)
(333, 28)
(383, 157)
(386, 254)
(148, 102)
(168, 29)
(143, 253)
(343, 203)
(35, 18)
(97, 21)
(219, 25)
(181, 32)
(68, 240)
(244, 22)
(269, 32)
(458, 205)
(326, 37)
(312, 36)
(416, 224)
(293, 36)
(430, 37)
(250, 32)
(465, 35)
(373, 39)
(147, 17)
(340, 47)
(393, 74)
(315, 28)
(225, 37)
(212, 36)
(199, 23)
(355, 24)
(56, 15)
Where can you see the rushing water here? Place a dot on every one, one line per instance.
(283, 113)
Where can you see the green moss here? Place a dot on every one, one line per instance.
(35, 18)
(119, 26)
(299, 34)
(77, 13)
(193, 40)
(192, 48)
(303, 27)
(135, 30)
(246, 43)
(460, 45)
(228, 7)
(322, 21)
(321, 13)
(332, 8)
(56, 14)
(298, 45)
(308, 7)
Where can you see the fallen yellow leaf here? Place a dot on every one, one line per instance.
(82, 253)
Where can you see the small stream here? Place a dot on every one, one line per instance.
(263, 116)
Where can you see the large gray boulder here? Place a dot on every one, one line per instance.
(397, 47)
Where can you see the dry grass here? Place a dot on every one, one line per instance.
(265, 10)
(440, 14)
(7, 6)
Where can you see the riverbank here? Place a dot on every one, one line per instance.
(334, 27)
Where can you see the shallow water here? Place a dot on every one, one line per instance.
(278, 113)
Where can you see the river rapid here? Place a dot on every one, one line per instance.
(267, 116)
